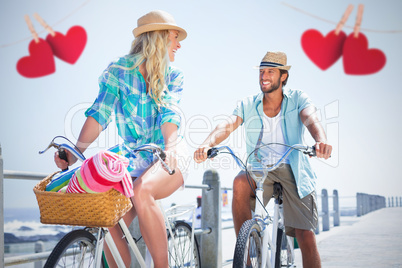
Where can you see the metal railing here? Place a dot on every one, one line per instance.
(366, 203)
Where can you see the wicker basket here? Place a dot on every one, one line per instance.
(91, 210)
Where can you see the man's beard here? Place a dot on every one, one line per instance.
(274, 86)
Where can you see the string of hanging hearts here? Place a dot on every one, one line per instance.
(358, 58)
(40, 61)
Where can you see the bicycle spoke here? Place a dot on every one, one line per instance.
(180, 253)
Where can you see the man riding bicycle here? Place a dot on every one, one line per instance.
(277, 115)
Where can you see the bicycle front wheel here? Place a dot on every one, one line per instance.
(248, 250)
(287, 251)
(179, 247)
(75, 249)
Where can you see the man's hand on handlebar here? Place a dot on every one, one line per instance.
(323, 150)
(201, 154)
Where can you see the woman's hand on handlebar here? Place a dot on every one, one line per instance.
(171, 158)
(201, 154)
(323, 150)
(62, 164)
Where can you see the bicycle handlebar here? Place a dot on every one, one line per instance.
(151, 148)
(309, 150)
(158, 152)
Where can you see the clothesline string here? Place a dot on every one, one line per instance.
(335, 23)
(43, 31)
(290, 6)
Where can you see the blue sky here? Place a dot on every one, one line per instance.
(362, 114)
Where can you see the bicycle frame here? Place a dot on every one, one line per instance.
(264, 220)
(261, 216)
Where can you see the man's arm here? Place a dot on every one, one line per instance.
(219, 134)
(310, 119)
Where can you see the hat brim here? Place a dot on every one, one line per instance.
(160, 26)
(286, 68)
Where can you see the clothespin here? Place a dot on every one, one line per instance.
(358, 20)
(343, 19)
(31, 28)
(44, 24)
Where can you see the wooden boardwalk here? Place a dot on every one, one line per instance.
(372, 240)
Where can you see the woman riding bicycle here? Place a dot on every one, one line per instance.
(143, 91)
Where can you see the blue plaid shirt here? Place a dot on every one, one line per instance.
(137, 116)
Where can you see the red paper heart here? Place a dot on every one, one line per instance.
(40, 61)
(70, 46)
(323, 51)
(358, 59)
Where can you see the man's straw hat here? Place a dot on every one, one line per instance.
(274, 60)
(158, 20)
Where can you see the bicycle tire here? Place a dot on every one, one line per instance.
(75, 242)
(278, 253)
(248, 246)
(182, 235)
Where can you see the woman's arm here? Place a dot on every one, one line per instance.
(169, 133)
(89, 132)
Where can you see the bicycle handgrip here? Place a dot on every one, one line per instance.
(212, 152)
(162, 155)
(63, 155)
(313, 152)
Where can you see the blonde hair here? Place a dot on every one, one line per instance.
(153, 48)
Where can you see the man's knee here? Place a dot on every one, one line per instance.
(305, 236)
(241, 185)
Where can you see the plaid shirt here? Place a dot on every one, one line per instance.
(137, 116)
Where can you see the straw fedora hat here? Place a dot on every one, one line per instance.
(274, 60)
(158, 20)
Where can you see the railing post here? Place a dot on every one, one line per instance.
(39, 247)
(325, 210)
(337, 214)
(1, 210)
(366, 202)
(211, 244)
(358, 204)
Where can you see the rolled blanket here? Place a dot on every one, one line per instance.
(60, 180)
(100, 173)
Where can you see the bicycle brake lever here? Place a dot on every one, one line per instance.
(310, 151)
(48, 147)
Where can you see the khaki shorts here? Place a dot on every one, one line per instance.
(298, 213)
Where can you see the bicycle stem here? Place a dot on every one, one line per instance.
(259, 196)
